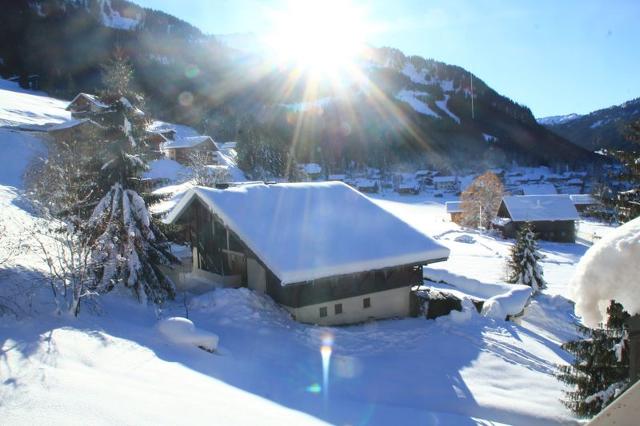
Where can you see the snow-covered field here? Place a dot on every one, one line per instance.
(112, 365)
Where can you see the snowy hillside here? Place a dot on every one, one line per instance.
(113, 366)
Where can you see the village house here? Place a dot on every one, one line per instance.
(552, 216)
(367, 186)
(296, 243)
(446, 183)
(454, 210)
(312, 171)
(84, 105)
(182, 149)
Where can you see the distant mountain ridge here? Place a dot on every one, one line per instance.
(604, 128)
(408, 108)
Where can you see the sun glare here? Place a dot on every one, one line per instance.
(319, 36)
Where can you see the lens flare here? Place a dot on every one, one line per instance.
(325, 353)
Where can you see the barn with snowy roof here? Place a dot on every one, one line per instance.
(327, 253)
(552, 216)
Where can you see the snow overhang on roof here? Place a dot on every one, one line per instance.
(533, 208)
(301, 232)
(189, 142)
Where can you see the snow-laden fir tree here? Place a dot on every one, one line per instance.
(523, 266)
(600, 369)
(128, 248)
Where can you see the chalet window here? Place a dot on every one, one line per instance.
(366, 302)
(338, 308)
(323, 312)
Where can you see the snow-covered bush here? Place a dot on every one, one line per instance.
(182, 331)
(610, 269)
(68, 258)
(523, 267)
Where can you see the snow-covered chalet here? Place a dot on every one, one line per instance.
(325, 252)
(552, 216)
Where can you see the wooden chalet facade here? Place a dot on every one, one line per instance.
(251, 251)
(552, 216)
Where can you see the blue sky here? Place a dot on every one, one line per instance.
(557, 57)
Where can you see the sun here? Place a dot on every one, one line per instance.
(319, 36)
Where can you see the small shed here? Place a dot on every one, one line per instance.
(294, 243)
(552, 216)
(181, 149)
(454, 210)
(583, 201)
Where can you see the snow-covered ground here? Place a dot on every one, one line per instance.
(113, 365)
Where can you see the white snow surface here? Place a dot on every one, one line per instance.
(609, 270)
(558, 119)
(540, 207)
(26, 108)
(409, 96)
(164, 168)
(301, 233)
(182, 331)
(539, 189)
(102, 367)
(443, 105)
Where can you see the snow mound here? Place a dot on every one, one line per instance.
(608, 270)
(506, 304)
(182, 331)
(500, 299)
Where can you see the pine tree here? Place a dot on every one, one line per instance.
(600, 369)
(128, 248)
(127, 245)
(523, 267)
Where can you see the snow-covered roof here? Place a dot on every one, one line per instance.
(453, 206)
(73, 123)
(539, 189)
(301, 232)
(442, 179)
(91, 98)
(523, 208)
(339, 177)
(188, 142)
(311, 168)
(582, 199)
(365, 183)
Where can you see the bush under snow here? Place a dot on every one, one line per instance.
(609, 270)
(182, 331)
